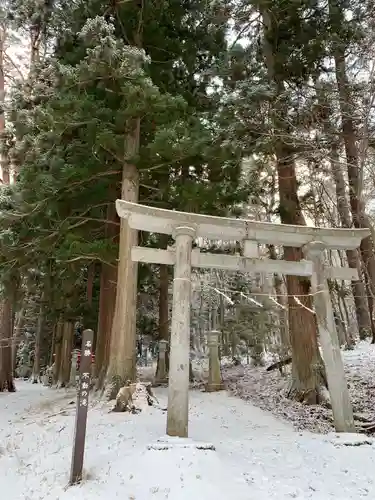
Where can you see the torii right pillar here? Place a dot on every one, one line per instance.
(337, 385)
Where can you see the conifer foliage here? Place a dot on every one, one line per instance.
(210, 107)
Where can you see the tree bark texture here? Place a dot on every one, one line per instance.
(38, 340)
(66, 353)
(58, 350)
(164, 307)
(360, 218)
(90, 282)
(4, 164)
(283, 301)
(107, 300)
(122, 360)
(17, 335)
(358, 287)
(6, 371)
(307, 367)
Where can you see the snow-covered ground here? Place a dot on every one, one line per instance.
(257, 456)
(267, 390)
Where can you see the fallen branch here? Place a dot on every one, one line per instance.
(279, 364)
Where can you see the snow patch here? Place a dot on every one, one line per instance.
(348, 439)
(257, 456)
(267, 390)
(169, 442)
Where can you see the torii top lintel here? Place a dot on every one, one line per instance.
(158, 220)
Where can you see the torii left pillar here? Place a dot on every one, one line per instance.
(178, 387)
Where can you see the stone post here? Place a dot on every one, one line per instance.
(73, 368)
(337, 385)
(178, 387)
(215, 382)
(161, 375)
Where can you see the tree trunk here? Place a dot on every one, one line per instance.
(107, 300)
(4, 164)
(307, 367)
(58, 350)
(102, 319)
(17, 336)
(122, 359)
(6, 372)
(52, 348)
(360, 218)
(358, 287)
(224, 351)
(90, 282)
(66, 353)
(6, 303)
(38, 340)
(283, 310)
(164, 306)
(201, 321)
(106, 311)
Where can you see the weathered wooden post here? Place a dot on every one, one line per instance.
(82, 407)
(214, 382)
(161, 375)
(178, 387)
(337, 385)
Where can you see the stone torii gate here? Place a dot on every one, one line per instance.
(184, 227)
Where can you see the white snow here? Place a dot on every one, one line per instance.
(257, 456)
(360, 361)
(267, 390)
(349, 439)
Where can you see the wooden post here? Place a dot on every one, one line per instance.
(161, 377)
(178, 387)
(215, 382)
(82, 406)
(337, 385)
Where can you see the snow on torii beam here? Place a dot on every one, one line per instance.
(163, 221)
(185, 227)
(159, 220)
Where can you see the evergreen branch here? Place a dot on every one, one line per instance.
(85, 257)
(10, 60)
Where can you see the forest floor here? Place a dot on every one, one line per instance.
(267, 390)
(257, 455)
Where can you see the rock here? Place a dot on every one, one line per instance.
(134, 397)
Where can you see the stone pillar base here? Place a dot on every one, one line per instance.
(169, 443)
(209, 387)
(161, 376)
(160, 381)
(214, 382)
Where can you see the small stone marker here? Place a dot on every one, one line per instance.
(73, 369)
(214, 382)
(168, 443)
(82, 407)
(161, 375)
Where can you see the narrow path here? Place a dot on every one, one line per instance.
(257, 456)
(278, 461)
